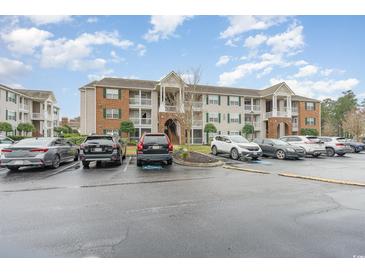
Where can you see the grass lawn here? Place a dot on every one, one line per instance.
(131, 150)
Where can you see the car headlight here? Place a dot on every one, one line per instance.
(290, 149)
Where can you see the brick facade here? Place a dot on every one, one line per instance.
(103, 103)
(303, 113)
(273, 124)
(178, 117)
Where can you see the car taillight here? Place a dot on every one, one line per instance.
(340, 145)
(114, 146)
(170, 147)
(39, 150)
(82, 146)
(6, 150)
(140, 146)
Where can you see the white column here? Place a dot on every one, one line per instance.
(288, 106)
(192, 136)
(52, 115)
(251, 104)
(162, 98)
(274, 106)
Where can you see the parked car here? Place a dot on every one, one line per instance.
(335, 145)
(355, 146)
(311, 144)
(102, 148)
(40, 152)
(236, 146)
(5, 142)
(279, 149)
(154, 147)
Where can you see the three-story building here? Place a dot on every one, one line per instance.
(164, 105)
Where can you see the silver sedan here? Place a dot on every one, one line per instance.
(40, 152)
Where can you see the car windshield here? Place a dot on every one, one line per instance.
(239, 139)
(279, 142)
(6, 141)
(155, 139)
(33, 142)
(90, 138)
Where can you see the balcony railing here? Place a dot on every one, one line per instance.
(141, 121)
(138, 101)
(194, 105)
(249, 108)
(279, 113)
(294, 110)
(256, 125)
(197, 123)
(170, 108)
(295, 127)
(37, 116)
(268, 115)
(24, 107)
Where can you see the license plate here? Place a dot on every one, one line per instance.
(18, 162)
(255, 153)
(98, 149)
(155, 147)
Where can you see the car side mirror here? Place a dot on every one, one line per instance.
(271, 144)
(228, 141)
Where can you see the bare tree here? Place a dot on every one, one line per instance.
(191, 78)
(354, 123)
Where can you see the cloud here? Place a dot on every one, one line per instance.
(306, 71)
(115, 57)
(223, 60)
(244, 23)
(287, 42)
(25, 41)
(141, 49)
(164, 26)
(301, 63)
(92, 20)
(83, 65)
(11, 69)
(63, 52)
(49, 19)
(318, 89)
(255, 41)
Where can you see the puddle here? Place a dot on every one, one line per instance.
(152, 167)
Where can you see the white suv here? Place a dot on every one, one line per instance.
(236, 145)
(311, 144)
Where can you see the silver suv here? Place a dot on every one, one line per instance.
(311, 144)
(335, 145)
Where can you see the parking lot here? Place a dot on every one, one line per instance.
(178, 211)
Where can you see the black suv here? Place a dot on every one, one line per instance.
(154, 147)
(102, 148)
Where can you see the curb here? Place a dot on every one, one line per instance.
(246, 169)
(334, 181)
(191, 164)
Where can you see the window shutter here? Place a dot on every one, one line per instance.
(228, 100)
(239, 101)
(219, 117)
(228, 120)
(104, 92)
(207, 117)
(6, 115)
(228, 132)
(120, 113)
(104, 113)
(7, 97)
(207, 99)
(314, 120)
(239, 118)
(314, 106)
(15, 116)
(306, 121)
(239, 133)
(119, 94)
(219, 100)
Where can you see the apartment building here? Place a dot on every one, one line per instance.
(38, 107)
(161, 106)
(73, 123)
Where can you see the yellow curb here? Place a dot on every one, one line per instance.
(246, 169)
(334, 181)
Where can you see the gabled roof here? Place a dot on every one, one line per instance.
(270, 90)
(227, 90)
(127, 83)
(37, 94)
(302, 98)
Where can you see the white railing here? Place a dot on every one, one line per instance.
(138, 101)
(141, 121)
(268, 115)
(197, 123)
(170, 108)
(24, 107)
(194, 105)
(294, 110)
(37, 116)
(248, 107)
(295, 126)
(280, 113)
(197, 140)
(252, 108)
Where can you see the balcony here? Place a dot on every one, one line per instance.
(195, 105)
(171, 108)
(140, 102)
(24, 107)
(197, 123)
(254, 108)
(256, 125)
(37, 116)
(294, 111)
(294, 126)
(141, 121)
(279, 113)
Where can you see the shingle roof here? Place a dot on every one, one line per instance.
(302, 98)
(128, 83)
(227, 90)
(270, 90)
(37, 94)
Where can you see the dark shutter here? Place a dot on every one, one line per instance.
(239, 101)
(314, 106)
(314, 120)
(219, 117)
(228, 120)
(15, 116)
(104, 93)
(207, 117)
(120, 113)
(119, 94)
(239, 118)
(7, 96)
(228, 132)
(6, 115)
(228, 100)
(104, 113)
(207, 99)
(219, 100)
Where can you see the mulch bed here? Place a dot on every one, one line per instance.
(195, 157)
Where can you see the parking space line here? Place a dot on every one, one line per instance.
(326, 180)
(247, 169)
(126, 166)
(59, 170)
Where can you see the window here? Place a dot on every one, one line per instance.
(11, 97)
(111, 131)
(234, 100)
(213, 99)
(213, 117)
(310, 121)
(234, 118)
(292, 139)
(234, 133)
(11, 115)
(309, 106)
(112, 113)
(111, 93)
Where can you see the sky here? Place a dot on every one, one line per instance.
(317, 56)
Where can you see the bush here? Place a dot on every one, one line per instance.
(76, 140)
(309, 131)
(18, 137)
(184, 154)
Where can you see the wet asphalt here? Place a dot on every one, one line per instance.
(176, 211)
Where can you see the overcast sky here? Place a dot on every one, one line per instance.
(317, 56)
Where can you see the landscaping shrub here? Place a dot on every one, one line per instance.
(18, 137)
(309, 131)
(76, 140)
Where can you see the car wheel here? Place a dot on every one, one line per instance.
(56, 161)
(76, 156)
(234, 154)
(13, 168)
(280, 154)
(341, 154)
(330, 152)
(98, 163)
(353, 149)
(169, 162)
(86, 164)
(357, 150)
(139, 163)
(214, 150)
(124, 155)
(316, 155)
